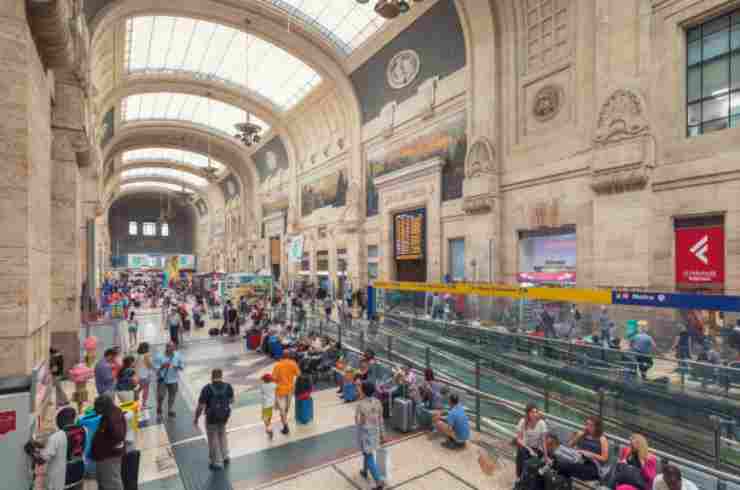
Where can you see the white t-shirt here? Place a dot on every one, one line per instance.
(268, 394)
(660, 484)
(535, 437)
(55, 454)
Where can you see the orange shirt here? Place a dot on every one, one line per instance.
(284, 374)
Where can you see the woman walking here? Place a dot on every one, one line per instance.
(144, 368)
(369, 421)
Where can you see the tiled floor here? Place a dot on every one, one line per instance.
(319, 456)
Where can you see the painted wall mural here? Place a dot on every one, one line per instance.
(327, 191)
(447, 140)
(271, 160)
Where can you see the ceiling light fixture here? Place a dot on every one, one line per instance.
(210, 171)
(247, 132)
(390, 9)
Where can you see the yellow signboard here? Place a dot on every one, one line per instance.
(569, 295)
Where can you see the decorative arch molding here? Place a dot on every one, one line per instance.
(481, 158)
(110, 177)
(112, 195)
(142, 84)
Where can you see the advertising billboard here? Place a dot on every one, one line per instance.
(700, 255)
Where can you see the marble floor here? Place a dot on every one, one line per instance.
(322, 454)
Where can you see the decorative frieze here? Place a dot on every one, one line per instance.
(623, 150)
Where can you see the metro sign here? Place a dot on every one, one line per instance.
(700, 255)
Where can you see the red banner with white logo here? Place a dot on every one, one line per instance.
(700, 255)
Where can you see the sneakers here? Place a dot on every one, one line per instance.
(171, 414)
(363, 474)
(271, 434)
(450, 444)
(227, 461)
(285, 430)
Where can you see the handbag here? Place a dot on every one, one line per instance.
(627, 474)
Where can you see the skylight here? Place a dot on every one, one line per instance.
(346, 24)
(205, 50)
(167, 173)
(185, 107)
(153, 185)
(183, 157)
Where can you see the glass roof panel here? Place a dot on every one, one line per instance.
(161, 44)
(331, 17)
(173, 155)
(167, 173)
(185, 107)
(153, 184)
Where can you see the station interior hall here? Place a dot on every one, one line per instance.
(370, 244)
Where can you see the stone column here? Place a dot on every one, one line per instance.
(65, 243)
(24, 196)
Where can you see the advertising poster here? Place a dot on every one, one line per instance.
(236, 285)
(295, 249)
(547, 259)
(700, 256)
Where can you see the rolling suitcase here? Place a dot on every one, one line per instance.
(402, 418)
(130, 470)
(304, 411)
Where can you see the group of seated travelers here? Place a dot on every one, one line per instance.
(540, 455)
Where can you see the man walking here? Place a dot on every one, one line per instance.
(284, 374)
(215, 400)
(167, 367)
(104, 379)
(174, 322)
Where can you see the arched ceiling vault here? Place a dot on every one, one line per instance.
(142, 164)
(232, 95)
(114, 193)
(271, 28)
(179, 135)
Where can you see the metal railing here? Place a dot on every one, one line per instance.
(473, 377)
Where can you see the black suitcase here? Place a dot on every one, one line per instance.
(130, 470)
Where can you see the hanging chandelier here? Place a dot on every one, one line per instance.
(247, 132)
(210, 171)
(390, 9)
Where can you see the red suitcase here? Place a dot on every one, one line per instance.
(254, 341)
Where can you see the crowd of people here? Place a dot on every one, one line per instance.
(303, 357)
(542, 460)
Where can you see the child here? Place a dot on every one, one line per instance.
(268, 402)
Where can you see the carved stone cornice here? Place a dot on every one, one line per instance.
(626, 180)
(480, 204)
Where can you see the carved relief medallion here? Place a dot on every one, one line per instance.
(403, 69)
(547, 102)
(621, 117)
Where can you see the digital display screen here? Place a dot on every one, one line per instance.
(409, 230)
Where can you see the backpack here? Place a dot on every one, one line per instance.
(218, 410)
(76, 438)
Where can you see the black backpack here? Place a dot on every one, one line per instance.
(218, 410)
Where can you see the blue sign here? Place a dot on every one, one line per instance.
(681, 301)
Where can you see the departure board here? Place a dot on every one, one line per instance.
(409, 229)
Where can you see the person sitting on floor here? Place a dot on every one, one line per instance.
(671, 479)
(594, 446)
(457, 425)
